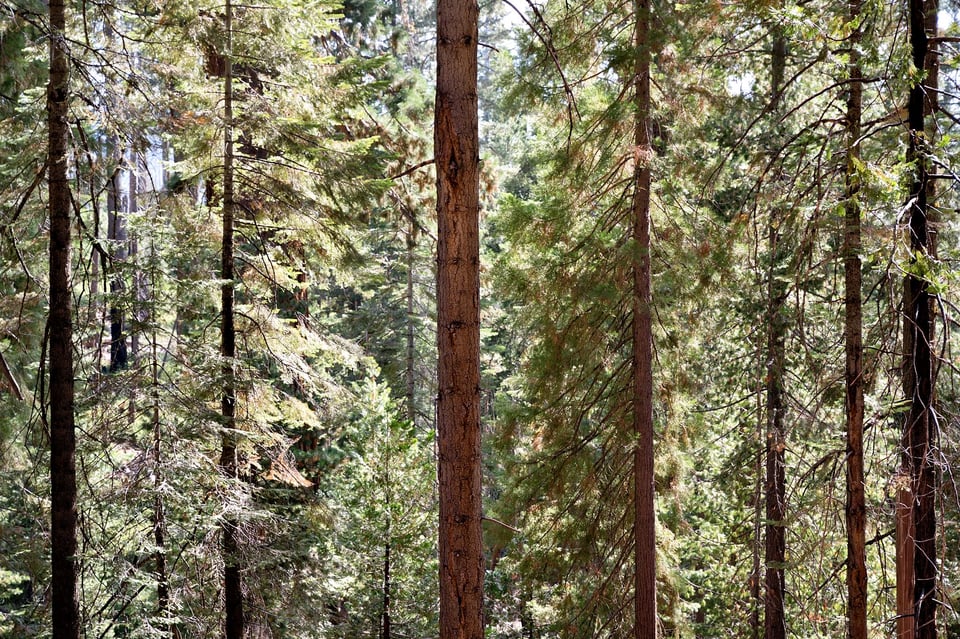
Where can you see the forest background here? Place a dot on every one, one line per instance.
(247, 319)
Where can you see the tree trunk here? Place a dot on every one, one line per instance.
(775, 546)
(139, 283)
(117, 235)
(411, 381)
(159, 515)
(63, 471)
(853, 343)
(385, 617)
(916, 512)
(232, 587)
(645, 546)
(458, 321)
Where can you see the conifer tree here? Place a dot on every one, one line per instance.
(917, 571)
(229, 466)
(457, 158)
(645, 548)
(853, 345)
(63, 479)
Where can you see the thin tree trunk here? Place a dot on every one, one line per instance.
(159, 515)
(853, 341)
(756, 578)
(645, 546)
(63, 471)
(385, 617)
(917, 508)
(411, 380)
(775, 546)
(232, 587)
(139, 285)
(458, 321)
(117, 235)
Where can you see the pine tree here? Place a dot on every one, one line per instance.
(853, 344)
(645, 548)
(63, 474)
(457, 157)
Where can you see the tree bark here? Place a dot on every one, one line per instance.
(916, 512)
(775, 546)
(63, 472)
(645, 547)
(232, 586)
(853, 344)
(117, 235)
(456, 149)
(411, 381)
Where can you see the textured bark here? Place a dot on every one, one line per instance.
(456, 149)
(775, 549)
(232, 586)
(853, 344)
(63, 471)
(645, 548)
(916, 516)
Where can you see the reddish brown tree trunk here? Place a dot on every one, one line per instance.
(916, 513)
(853, 338)
(456, 149)
(63, 471)
(645, 545)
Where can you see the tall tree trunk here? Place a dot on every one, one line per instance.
(775, 546)
(853, 343)
(232, 587)
(645, 545)
(63, 471)
(456, 149)
(916, 508)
